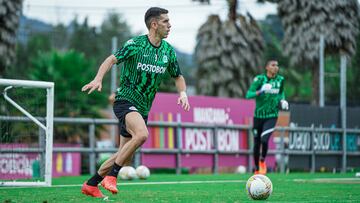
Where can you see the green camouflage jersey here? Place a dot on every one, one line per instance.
(143, 70)
(267, 103)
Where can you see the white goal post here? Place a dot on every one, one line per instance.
(48, 128)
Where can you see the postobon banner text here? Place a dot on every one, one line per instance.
(202, 139)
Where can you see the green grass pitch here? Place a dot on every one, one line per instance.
(294, 187)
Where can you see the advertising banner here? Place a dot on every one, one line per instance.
(204, 110)
(324, 141)
(27, 165)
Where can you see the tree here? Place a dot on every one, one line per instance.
(96, 43)
(9, 21)
(113, 26)
(353, 91)
(85, 39)
(69, 71)
(228, 54)
(60, 37)
(297, 80)
(305, 20)
(37, 43)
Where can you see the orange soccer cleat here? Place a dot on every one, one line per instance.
(109, 183)
(91, 191)
(263, 168)
(256, 172)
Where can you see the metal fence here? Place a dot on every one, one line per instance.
(281, 151)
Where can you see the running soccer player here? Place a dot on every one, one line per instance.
(146, 58)
(268, 91)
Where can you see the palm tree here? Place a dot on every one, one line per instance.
(305, 20)
(9, 21)
(228, 54)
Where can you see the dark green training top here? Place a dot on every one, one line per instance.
(267, 103)
(143, 70)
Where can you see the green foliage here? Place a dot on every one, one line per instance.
(297, 80)
(36, 44)
(69, 71)
(39, 42)
(84, 39)
(332, 77)
(299, 88)
(113, 26)
(353, 89)
(97, 43)
(60, 37)
(305, 21)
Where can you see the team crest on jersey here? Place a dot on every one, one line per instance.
(165, 59)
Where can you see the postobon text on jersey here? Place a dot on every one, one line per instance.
(151, 68)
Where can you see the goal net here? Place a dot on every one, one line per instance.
(26, 132)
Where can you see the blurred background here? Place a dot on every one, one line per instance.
(221, 45)
(252, 31)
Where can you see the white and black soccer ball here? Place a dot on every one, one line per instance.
(142, 172)
(259, 187)
(127, 173)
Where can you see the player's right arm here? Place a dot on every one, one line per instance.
(129, 49)
(253, 90)
(96, 83)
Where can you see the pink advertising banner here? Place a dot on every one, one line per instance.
(26, 165)
(204, 110)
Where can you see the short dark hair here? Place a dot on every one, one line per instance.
(153, 12)
(269, 61)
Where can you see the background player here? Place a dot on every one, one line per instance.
(268, 91)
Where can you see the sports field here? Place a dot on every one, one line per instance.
(297, 187)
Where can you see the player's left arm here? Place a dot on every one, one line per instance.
(175, 72)
(181, 88)
(283, 103)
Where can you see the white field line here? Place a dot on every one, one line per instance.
(328, 180)
(144, 183)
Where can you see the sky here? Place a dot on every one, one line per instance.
(185, 16)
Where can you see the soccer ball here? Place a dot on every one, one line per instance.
(127, 173)
(240, 169)
(131, 173)
(259, 187)
(142, 172)
(123, 173)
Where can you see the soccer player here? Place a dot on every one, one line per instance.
(268, 91)
(146, 59)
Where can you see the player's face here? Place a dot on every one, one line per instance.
(163, 26)
(272, 67)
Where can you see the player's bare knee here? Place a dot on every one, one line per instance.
(141, 136)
